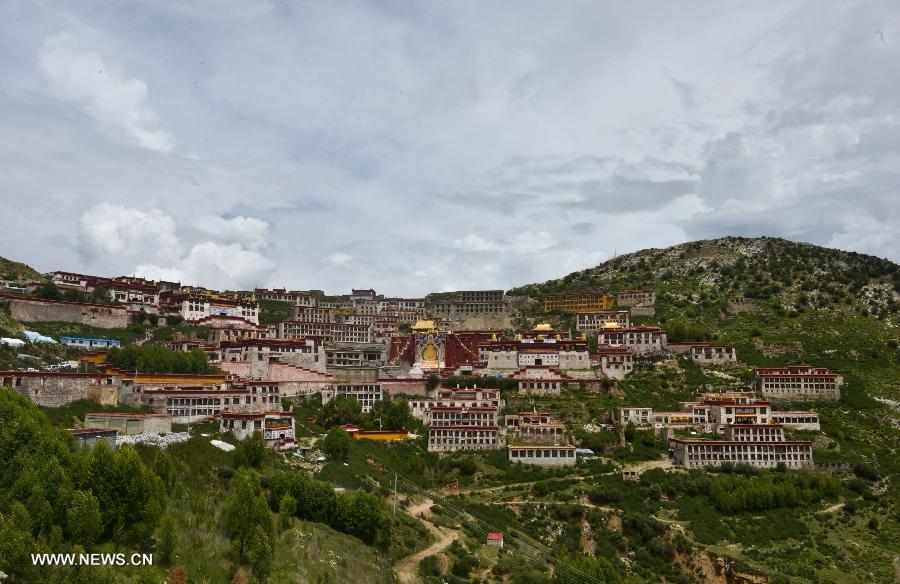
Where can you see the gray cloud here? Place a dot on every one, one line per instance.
(427, 146)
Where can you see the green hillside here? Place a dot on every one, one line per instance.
(837, 523)
(781, 274)
(17, 271)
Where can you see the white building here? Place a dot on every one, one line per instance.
(798, 383)
(707, 354)
(595, 321)
(277, 428)
(542, 455)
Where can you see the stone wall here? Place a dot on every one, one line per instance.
(738, 305)
(643, 311)
(291, 380)
(37, 310)
(54, 390)
(408, 386)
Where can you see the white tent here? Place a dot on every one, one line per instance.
(34, 337)
(12, 342)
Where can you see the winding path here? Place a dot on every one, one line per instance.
(406, 569)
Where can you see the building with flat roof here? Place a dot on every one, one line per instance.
(540, 380)
(592, 322)
(762, 446)
(538, 438)
(640, 339)
(575, 302)
(798, 383)
(276, 427)
(462, 420)
(636, 298)
(88, 343)
(89, 437)
(129, 423)
(615, 362)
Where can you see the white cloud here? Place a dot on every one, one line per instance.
(524, 242)
(473, 242)
(117, 102)
(377, 148)
(250, 232)
(338, 259)
(147, 243)
(108, 232)
(217, 266)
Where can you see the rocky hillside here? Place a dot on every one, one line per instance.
(19, 272)
(782, 274)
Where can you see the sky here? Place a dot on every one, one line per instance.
(431, 146)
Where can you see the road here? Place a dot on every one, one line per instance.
(407, 568)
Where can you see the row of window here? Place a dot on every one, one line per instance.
(542, 453)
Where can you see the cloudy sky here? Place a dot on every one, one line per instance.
(426, 146)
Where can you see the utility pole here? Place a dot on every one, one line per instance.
(395, 493)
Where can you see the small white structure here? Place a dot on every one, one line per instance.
(15, 343)
(88, 343)
(34, 337)
(277, 428)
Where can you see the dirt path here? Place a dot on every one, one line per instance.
(648, 464)
(406, 569)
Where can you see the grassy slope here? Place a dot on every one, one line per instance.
(272, 311)
(10, 270)
(817, 306)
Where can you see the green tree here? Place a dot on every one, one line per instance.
(250, 451)
(336, 443)
(48, 291)
(83, 522)
(390, 414)
(261, 553)
(630, 431)
(342, 409)
(245, 510)
(365, 516)
(166, 546)
(164, 469)
(287, 508)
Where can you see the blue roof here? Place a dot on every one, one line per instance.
(89, 339)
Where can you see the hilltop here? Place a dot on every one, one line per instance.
(782, 274)
(19, 272)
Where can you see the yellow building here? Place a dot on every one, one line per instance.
(384, 435)
(579, 302)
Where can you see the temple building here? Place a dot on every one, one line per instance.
(615, 362)
(540, 380)
(592, 322)
(798, 383)
(542, 347)
(762, 446)
(198, 307)
(456, 398)
(640, 339)
(276, 427)
(430, 346)
(538, 438)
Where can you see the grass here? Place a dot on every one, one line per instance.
(273, 311)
